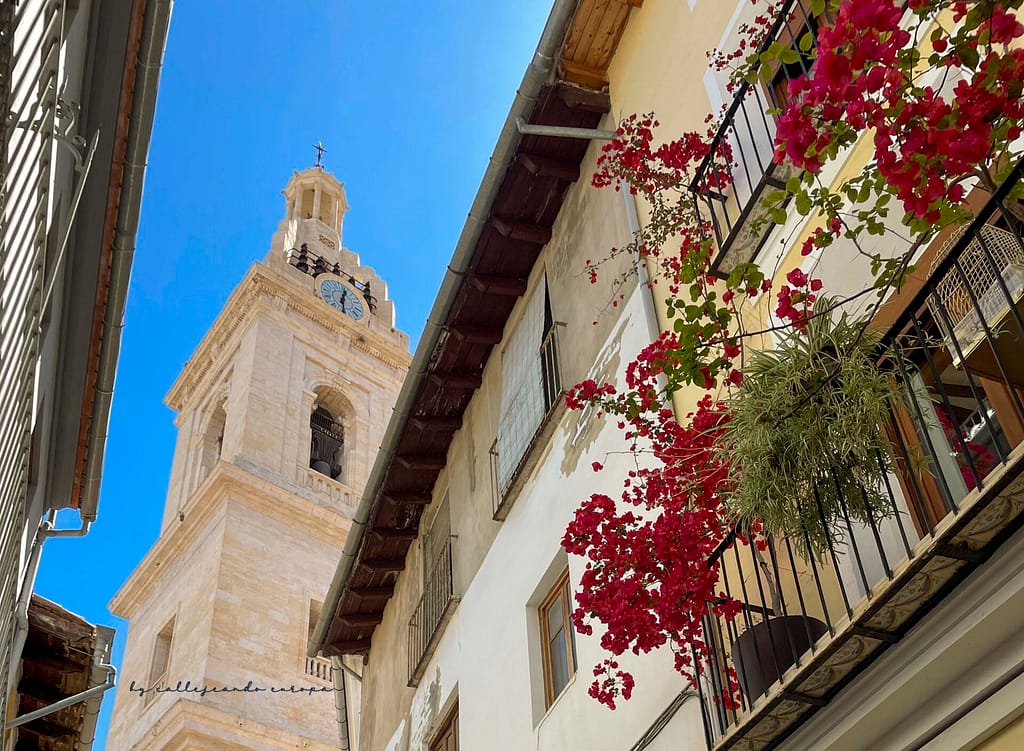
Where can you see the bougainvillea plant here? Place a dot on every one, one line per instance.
(935, 85)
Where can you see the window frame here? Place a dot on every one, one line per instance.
(560, 594)
(155, 679)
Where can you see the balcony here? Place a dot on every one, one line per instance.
(527, 423)
(732, 181)
(808, 627)
(319, 668)
(434, 610)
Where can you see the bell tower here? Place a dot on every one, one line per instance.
(279, 414)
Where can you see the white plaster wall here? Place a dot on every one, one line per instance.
(486, 656)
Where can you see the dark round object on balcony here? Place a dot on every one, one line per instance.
(322, 467)
(762, 653)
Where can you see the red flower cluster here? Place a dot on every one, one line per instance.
(926, 139)
(647, 581)
(794, 303)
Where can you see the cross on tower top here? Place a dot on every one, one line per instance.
(319, 153)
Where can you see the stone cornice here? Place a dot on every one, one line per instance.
(226, 482)
(261, 284)
(192, 724)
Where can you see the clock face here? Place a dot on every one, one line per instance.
(343, 298)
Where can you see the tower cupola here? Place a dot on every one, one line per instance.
(315, 207)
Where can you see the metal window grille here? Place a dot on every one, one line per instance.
(954, 456)
(533, 401)
(740, 168)
(433, 609)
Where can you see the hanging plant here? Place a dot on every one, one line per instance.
(805, 438)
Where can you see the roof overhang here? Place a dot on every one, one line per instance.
(509, 224)
(126, 45)
(59, 661)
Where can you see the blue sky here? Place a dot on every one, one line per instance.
(408, 97)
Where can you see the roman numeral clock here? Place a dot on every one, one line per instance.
(343, 297)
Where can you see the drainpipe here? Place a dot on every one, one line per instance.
(89, 694)
(44, 532)
(101, 659)
(21, 607)
(341, 707)
(643, 278)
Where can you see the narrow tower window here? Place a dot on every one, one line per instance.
(327, 443)
(161, 658)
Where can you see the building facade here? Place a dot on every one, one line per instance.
(456, 590)
(280, 411)
(78, 84)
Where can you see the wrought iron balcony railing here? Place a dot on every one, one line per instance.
(433, 611)
(807, 627)
(731, 182)
(522, 425)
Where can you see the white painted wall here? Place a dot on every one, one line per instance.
(489, 655)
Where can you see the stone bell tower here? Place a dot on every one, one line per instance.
(280, 411)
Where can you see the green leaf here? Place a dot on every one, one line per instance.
(789, 56)
(807, 41)
(778, 215)
(968, 55)
(803, 204)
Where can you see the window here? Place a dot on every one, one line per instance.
(327, 443)
(447, 738)
(793, 34)
(212, 441)
(161, 658)
(531, 384)
(558, 642)
(438, 599)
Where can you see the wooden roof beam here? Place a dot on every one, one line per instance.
(437, 422)
(522, 231)
(544, 166)
(585, 98)
(476, 334)
(370, 593)
(585, 75)
(413, 498)
(448, 379)
(415, 462)
(509, 286)
(392, 533)
(350, 645)
(384, 565)
(361, 620)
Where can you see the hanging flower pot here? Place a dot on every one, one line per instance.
(804, 436)
(768, 649)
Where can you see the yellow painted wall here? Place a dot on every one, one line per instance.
(1010, 738)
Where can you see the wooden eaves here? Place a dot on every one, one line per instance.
(519, 224)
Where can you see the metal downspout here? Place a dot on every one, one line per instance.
(156, 19)
(86, 695)
(643, 278)
(341, 705)
(25, 596)
(101, 659)
(537, 74)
